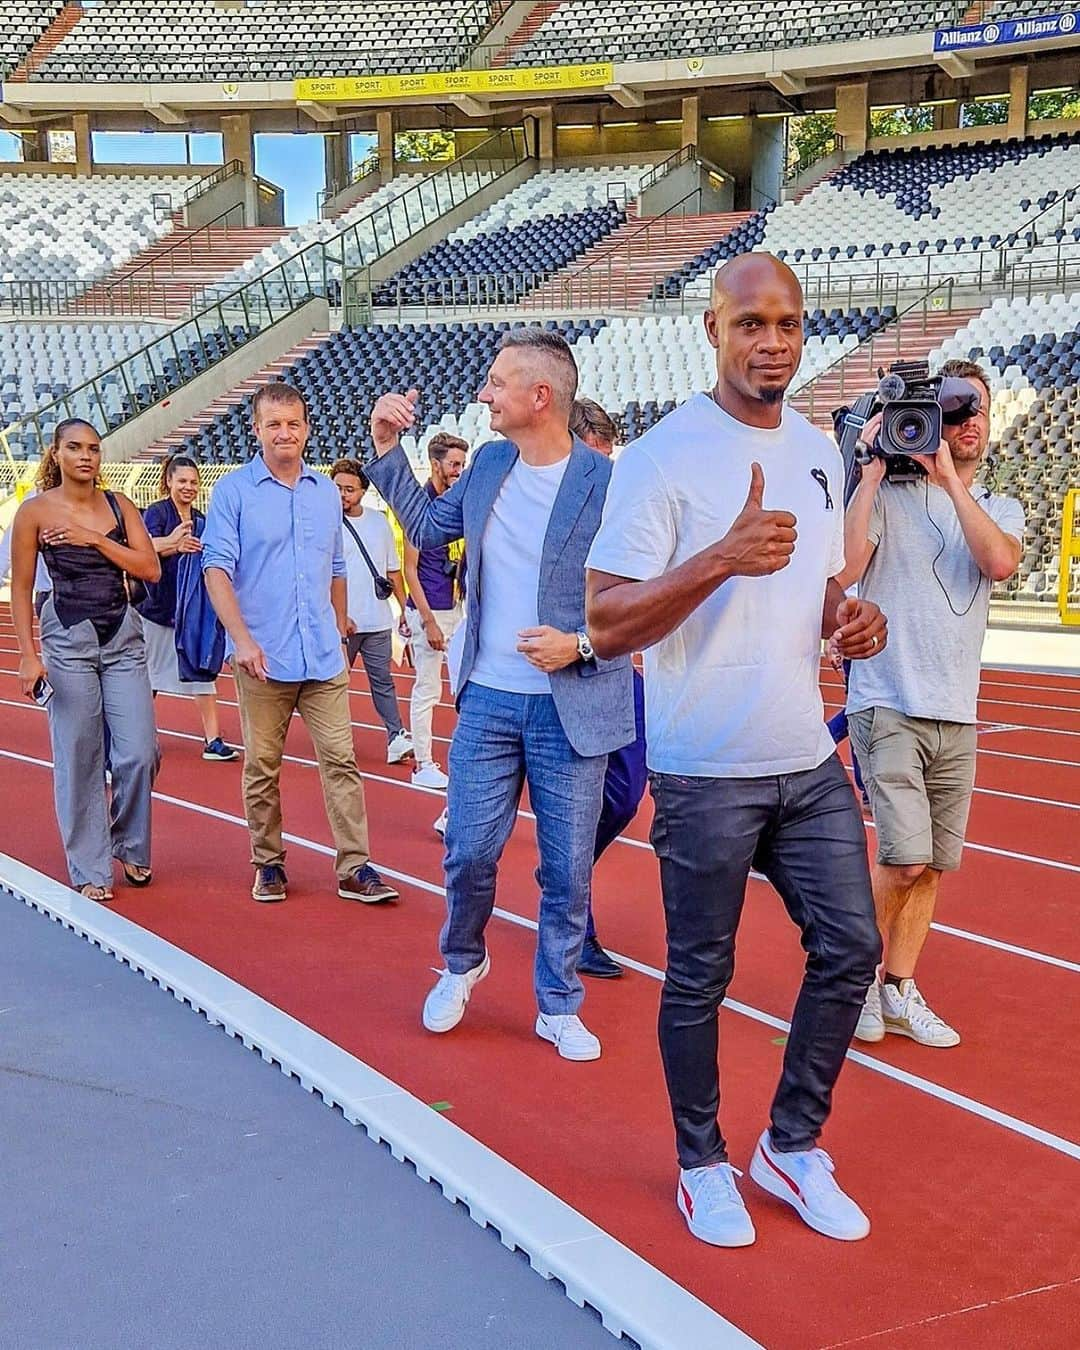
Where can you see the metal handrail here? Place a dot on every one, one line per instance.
(220, 174)
(367, 166)
(128, 284)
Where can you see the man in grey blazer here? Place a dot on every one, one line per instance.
(535, 704)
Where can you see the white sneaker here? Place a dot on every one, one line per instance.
(429, 776)
(569, 1034)
(904, 1013)
(805, 1181)
(444, 1007)
(710, 1202)
(870, 1026)
(400, 747)
(440, 825)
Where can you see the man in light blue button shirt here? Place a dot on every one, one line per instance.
(275, 573)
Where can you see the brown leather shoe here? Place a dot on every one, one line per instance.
(270, 884)
(365, 884)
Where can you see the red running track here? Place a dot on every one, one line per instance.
(975, 1237)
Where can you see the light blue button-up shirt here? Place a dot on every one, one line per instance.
(280, 547)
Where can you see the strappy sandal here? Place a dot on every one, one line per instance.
(101, 894)
(137, 876)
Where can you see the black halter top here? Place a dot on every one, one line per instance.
(86, 585)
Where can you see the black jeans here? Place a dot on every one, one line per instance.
(803, 831)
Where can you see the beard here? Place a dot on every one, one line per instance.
(771, 395)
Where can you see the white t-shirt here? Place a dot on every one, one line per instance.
(509, 579)
(733, 691)
(370, 614)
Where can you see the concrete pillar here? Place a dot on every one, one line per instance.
(853, 116)
(237, 141)
(1018, 100)
(84, 158)
(35, 146)
(947, 117)
(691, 120)
(545, 135)
(384, 126)
(336, 154)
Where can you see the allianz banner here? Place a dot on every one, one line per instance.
(1001, 31)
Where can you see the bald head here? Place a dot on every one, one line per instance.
(754, 321)
(749, 273)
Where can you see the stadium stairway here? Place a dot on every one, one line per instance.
(174, 441)
(162, 280)
(622, 269)
(60, 27)
(910, 338)
(538, 15)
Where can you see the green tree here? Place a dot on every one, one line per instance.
(990, 113)
(901, 121)
(809, 138)
(1046, 106)
(428, 147)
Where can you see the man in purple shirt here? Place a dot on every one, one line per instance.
(275, 573)
(433, 610)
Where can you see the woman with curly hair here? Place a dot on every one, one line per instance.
(175, 526)
(91, 673)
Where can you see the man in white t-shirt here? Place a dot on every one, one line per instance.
(535, 705)
(371, 564)
(929, 550)
(729, 599)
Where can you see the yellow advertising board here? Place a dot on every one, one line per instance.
(526, 80)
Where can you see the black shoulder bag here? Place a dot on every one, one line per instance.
(383, 589)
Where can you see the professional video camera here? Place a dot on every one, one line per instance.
(914, 405)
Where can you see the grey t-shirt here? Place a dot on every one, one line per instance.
(936, 600)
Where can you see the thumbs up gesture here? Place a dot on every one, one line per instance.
(759, 542)
(392, 414)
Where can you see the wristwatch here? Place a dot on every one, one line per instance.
(584, 646)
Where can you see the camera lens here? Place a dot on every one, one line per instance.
(911, 431)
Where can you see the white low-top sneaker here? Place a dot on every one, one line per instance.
(569, 1034)
(401, 747)
(429, 776)
(710, 1202)
(805, 1181)
(904, 1012)
(870, 1026)
(444, 1007)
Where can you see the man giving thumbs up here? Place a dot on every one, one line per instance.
(721, 539)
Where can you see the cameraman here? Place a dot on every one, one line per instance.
(927, 553)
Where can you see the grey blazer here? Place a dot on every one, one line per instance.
(594, 699)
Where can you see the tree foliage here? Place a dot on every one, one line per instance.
(424, 146)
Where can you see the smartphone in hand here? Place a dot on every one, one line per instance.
(41, 692)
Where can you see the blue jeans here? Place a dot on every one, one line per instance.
(501, 742)
(624, 786)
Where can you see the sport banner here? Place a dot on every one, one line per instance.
(513, 80)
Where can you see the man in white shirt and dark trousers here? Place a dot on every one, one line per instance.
(929, 552)
(374, 574)
(535, 704)
(729, 600)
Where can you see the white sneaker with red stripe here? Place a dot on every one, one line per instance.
(805, 1181)
(710, 1202)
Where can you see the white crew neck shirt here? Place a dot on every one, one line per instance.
(367, 611)
(733, 691)
(509, 580)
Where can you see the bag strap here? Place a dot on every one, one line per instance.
(360, 545)
(114, 507)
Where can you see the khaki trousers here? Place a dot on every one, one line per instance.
(265, 710)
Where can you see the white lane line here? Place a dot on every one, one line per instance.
(924, 1085)
(632, 1296)
(1018, 726)
(625, 840)
(1032, 759)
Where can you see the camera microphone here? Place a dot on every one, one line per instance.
(890, 388)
